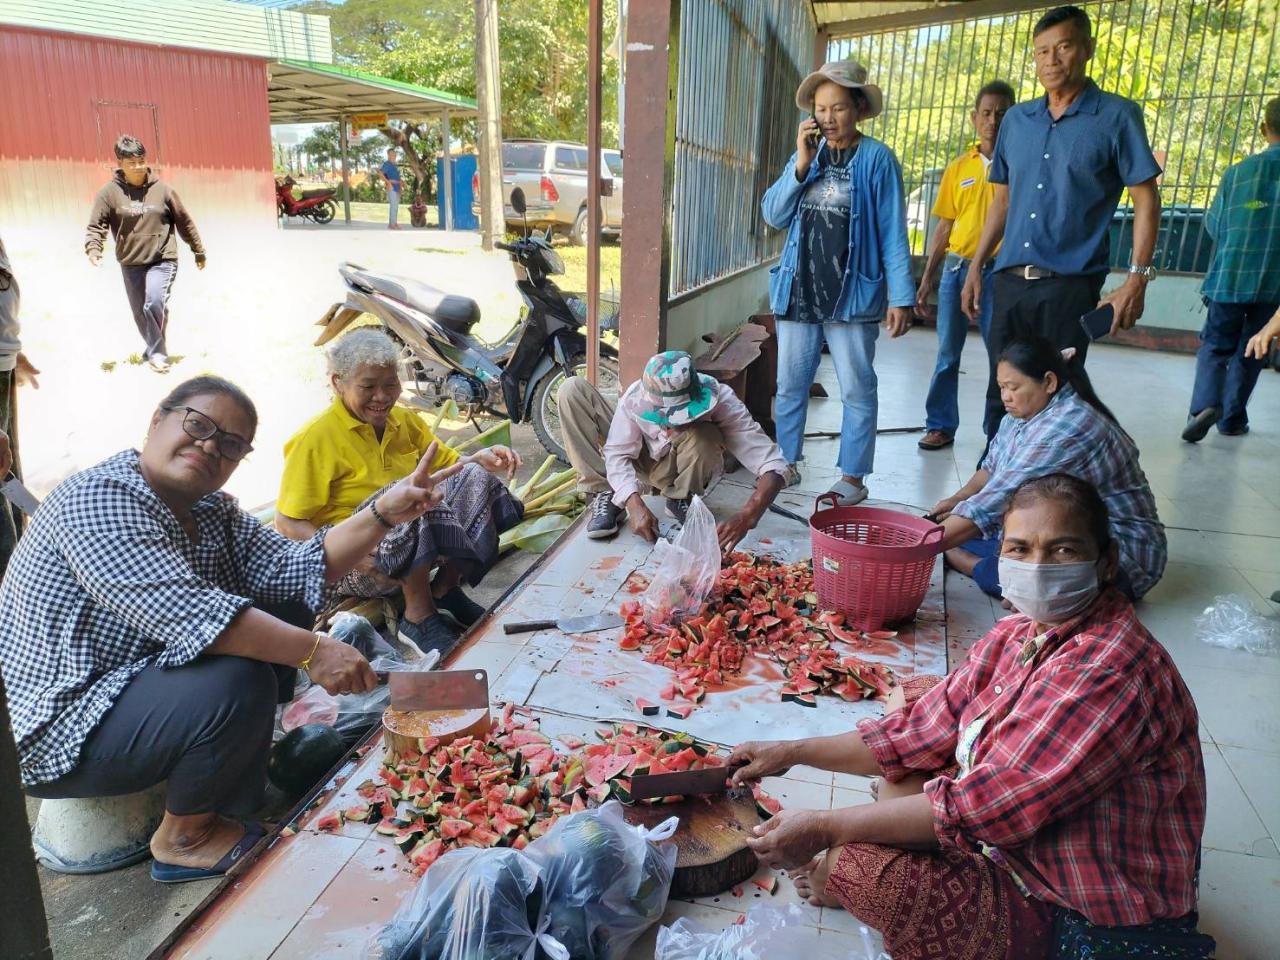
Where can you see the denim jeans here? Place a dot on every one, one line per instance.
(1224, 378)
(941, 407)
(393, 197)
(853, 350)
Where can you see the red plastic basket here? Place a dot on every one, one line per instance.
(871, 565)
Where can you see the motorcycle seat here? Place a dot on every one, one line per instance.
(457, 313)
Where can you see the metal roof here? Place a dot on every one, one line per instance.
(846, 17)
(302, 92)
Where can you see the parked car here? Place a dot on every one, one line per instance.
(553, 175)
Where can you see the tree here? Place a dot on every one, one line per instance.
(324, 147)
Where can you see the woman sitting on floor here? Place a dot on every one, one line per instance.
(342, 459)
(1055, 424)
(1052, 781)
(143, 612)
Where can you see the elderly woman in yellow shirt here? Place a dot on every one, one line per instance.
(344, 457)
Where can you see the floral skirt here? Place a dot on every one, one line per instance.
(477, 507)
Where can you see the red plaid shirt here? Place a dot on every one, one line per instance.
(1087, 779)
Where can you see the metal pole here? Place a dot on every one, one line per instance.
(595, 57)
(23, 930)
(346, 183)
(447, 186)
(488, 123)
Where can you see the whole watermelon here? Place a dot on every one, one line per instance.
(302, 756)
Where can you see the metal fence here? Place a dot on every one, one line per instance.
(739, 64)
(1201, 70)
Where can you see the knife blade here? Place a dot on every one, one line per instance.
(16, 493)
(584, 624)
(645, 786)
(437, 689)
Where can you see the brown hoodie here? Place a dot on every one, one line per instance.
(142, 220)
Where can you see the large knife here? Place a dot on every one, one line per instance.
(594, 621)
(645, 786)
(437, 689)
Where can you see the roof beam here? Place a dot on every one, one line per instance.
(966, 10)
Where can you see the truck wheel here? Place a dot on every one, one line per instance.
(546, 414)
(578, 232)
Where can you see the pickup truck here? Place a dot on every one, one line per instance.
(553, 175)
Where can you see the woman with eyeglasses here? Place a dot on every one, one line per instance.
(136, 641)
(342, 459)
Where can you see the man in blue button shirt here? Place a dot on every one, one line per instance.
(391, 177)
(1061, 162)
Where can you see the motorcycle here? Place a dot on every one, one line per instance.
(517, 378)
(315, 205)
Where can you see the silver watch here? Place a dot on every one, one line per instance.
(1147, 272)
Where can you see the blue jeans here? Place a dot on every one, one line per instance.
(987, 573)
(853, 350)
(941, 407)
(1224, 378)
(393, 197)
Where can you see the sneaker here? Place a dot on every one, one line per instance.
(606, 516)
(159, 363)
(1198, 424)
(461, 607)
(678, 510)
(792, 476)
(431, 633)
(848, 494)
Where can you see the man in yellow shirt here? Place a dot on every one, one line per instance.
(963, 198)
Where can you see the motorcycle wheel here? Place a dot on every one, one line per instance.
(546, 415)
(324, 212)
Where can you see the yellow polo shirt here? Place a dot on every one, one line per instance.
(964, 197)
(335, 462)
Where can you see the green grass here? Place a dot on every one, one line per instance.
(575, 267)
(377, 212)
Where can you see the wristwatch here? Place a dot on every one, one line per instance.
(1146, 273)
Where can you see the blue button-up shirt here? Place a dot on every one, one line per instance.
(1065, 177)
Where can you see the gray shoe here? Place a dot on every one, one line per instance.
(792, 477)
(848, 494)
(606, 516)
(431, 633)
(678, 510)
(1198, 424)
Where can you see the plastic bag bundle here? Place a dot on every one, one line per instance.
(473, 904)
(607, 880)
(688, 569)
(1232, 622)
(768, 932)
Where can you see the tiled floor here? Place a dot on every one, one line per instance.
(1222, 503)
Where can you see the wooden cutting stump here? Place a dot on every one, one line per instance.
(712, 840)
(404, 731)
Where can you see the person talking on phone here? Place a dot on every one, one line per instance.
(846, 265)
(1055, 424)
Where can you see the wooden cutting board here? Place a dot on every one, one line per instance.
(712, 840)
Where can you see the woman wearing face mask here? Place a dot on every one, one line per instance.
(845, 267)
(1048, 792)
(148, 624)
(1055, 423)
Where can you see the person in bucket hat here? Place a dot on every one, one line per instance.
(845, 267)
(671, 431)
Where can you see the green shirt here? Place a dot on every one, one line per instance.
(1244, 221)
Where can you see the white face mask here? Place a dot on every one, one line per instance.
(1049, 593)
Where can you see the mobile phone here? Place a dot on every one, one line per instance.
(1097, 323)
(816, 136)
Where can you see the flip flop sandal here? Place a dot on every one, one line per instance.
(172, 873)
(848, 494)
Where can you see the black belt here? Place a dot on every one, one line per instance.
(1029, 271)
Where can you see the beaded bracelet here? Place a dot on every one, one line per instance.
(373, 508)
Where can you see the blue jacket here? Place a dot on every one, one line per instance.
(878, 274)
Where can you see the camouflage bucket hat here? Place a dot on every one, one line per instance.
(849, 74)
(677, 394)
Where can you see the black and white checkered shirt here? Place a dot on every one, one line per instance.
(105, 581)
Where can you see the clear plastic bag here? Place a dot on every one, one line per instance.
(473, 904)
(687, 569)
(1232, 622)
(768, 932)
(607, 881)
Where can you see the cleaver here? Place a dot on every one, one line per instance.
(437, 689)
(645, 786)
(594, 621)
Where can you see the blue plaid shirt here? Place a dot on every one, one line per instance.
(1244, 221)
(1070, 436)
(106, 581)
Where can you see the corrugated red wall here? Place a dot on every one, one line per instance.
(202, 115)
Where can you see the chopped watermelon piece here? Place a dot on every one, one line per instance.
(768, 884)
(680, 711)
(647, 707)
(331, 821)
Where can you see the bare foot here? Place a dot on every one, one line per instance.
(811, 879)
(197, 841)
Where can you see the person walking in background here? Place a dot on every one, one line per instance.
(1241, 289)
(845, 267)
(145, 217)
(963, 199)
(1060, 165)
(15, 371)
(391, 178)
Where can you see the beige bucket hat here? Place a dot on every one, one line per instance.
(847, 73)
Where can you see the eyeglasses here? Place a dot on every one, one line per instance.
(199, 427)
